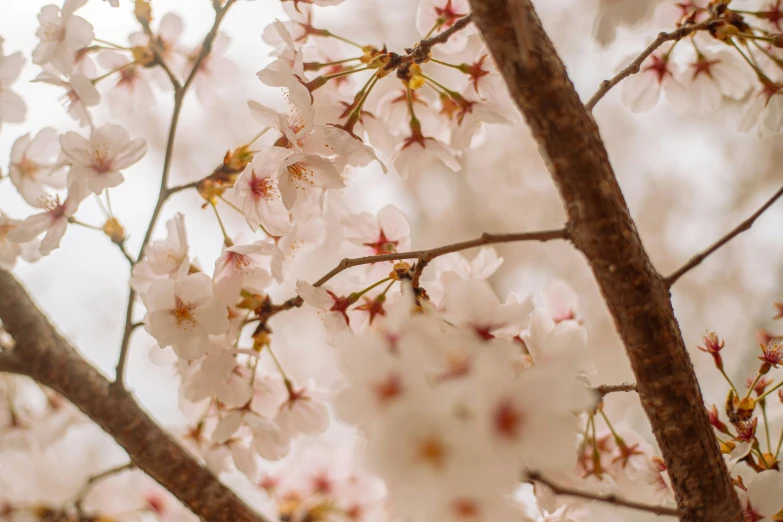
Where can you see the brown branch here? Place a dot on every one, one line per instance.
(739, 229)
(600, 226)
(42, 354)
(636, 65)
(608, 499)
(164, 191)
(421, 53)
(606, 389)
(87, 486)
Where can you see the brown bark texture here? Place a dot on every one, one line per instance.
(601, 227)
(44, 355)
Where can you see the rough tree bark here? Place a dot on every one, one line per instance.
(44, 355)
(601, 227)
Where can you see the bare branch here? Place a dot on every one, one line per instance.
(636, 65)
(606, 389)
(601, 227)
(164, 192)
(608, 499)
(739, 229)
(85, 489)
(42, 354)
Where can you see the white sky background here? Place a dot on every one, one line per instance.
(83, 285)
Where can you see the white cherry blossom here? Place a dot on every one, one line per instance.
(257, 188)
(240, 267)
(10, 251)
(36, 164)
(163, 257)
(99, 160)
(80, 93)
(53, 221)
(183, 313)
(62, 34)
(12, 106)
(763, 498)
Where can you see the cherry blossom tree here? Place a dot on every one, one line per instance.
(329, 368)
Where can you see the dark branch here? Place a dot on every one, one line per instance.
(42, 354)
(635, 66)
(739, 229)
(608, 499)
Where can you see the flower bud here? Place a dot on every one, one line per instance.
(143, 12)
(712, 411)
(114, 230)
(777, 41)
(713, 345)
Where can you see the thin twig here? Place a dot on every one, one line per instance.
(636, 65)
(606, 389)
(164, 192)
(87, 486)
(425, 256)
(184, 186)
(154, 44)
(739, 229)
(608, 499)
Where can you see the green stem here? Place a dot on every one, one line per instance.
(343, 73)
(750, 390)
(766, 426)
(226, 239)
(258, 136)
(106, 75)
(104, 42)
(723, 372)
(763, 395)
(346, 40)
(446, 64)
(355, 296)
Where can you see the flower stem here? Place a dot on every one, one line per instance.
(723, 372)
(258, 136)
(446, 64)
(226, 239)
(763, 395)
(356, 295)
(106, 75)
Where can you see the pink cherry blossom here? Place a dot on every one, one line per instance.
(99, 160)
(257, 188)
(240, 267)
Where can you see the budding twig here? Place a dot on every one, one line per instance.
(164, 192)
(608, 499)
(421, 53)
(636, 65)
(739, 229)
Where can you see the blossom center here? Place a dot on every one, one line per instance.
(27, 167)
(261, 188)
(388, 389)
(183, 313)
(300, 174)
(100, 158)
(508, 420)
(432, 452)
(52, 32)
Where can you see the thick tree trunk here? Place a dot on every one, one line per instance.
(42, 354)
(601, 227)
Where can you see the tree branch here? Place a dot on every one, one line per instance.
(636, 65)
(164, 191)
(608, 499)
(739, 229)
(85, 489)
(42, 354)
(606, 389)
(600, 226)
(425, 256)
(421, 53)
